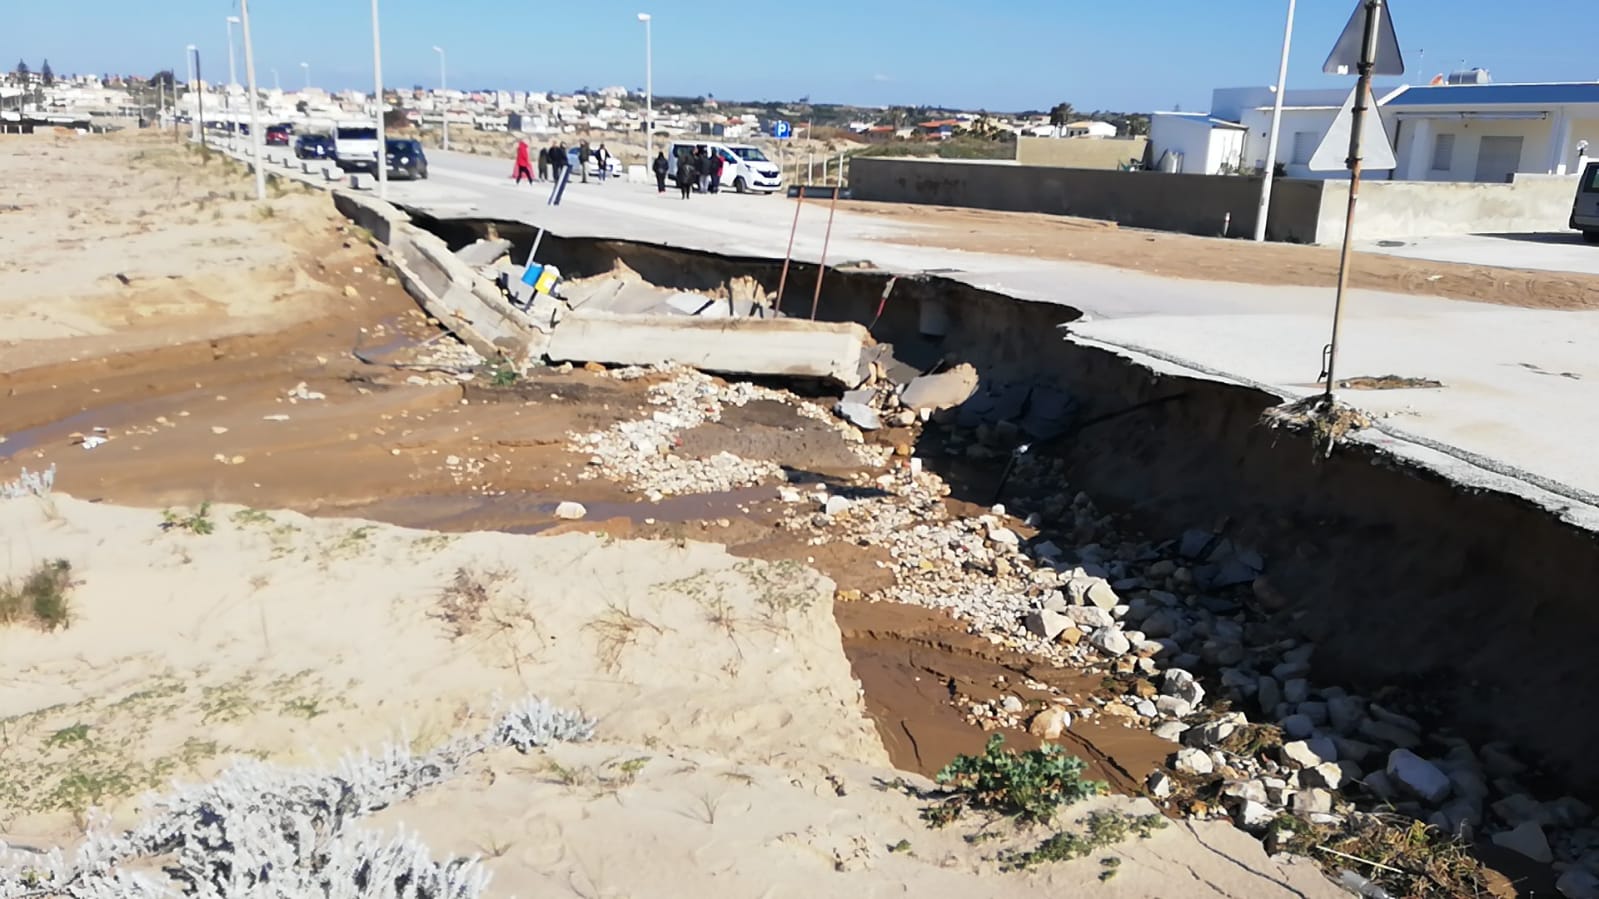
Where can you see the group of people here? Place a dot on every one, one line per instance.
(555, 157)
(698, 168)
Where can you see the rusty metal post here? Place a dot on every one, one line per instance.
(821, 269)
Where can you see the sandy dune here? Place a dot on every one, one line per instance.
(297, 639)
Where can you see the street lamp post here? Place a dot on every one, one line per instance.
(255, 128)
(444, 113)
(305, 67)
(1264, 211)
(233, 77)
(377, 79)
(188, 57)
(649, 91)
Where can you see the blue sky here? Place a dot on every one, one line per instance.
(1011, 55)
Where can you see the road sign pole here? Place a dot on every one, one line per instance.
(1368, 56)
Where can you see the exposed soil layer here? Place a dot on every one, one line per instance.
(1217, 259)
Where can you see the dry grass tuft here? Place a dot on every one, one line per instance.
(42, 599)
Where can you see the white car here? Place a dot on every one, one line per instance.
(745, 168)
(355, 147)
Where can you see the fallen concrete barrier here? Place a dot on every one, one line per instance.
(750, 346)
(449, 290)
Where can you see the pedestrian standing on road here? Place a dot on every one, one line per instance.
(716, 171)
(544, 163)
(584, 154)
(602, 157)
(687, 173)
(704, 167)
(524, 168)
(558, 161)
(660, 165)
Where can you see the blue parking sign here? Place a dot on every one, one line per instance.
(781, 130)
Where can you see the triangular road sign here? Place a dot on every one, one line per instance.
(1345, 56)
(1376, 153)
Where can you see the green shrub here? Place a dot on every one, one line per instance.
(1030, 785)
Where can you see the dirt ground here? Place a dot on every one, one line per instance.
(1212, 259)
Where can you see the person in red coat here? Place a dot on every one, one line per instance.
(524, 167)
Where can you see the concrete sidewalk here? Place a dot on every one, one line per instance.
(1514, 414)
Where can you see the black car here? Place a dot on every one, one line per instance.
(407, 159)
(313, 146)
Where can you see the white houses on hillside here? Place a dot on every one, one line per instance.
(1443, 132)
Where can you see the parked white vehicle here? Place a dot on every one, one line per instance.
(355, 146)
(745, 168)
(1585, 208)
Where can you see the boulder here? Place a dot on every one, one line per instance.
(1170, 730)
(1578, 883)
(1345, 713)
(1051, 723)
(944, 390)
(1386, 733)
(1269, 694)
(1110, 641)
(1528, 839)
(1418, 777)
(1160, 784)
(1183, 685)
(1193, 761)
(1298, 727)
(1313, 801)
(836, 505)
(1307, 753)
(1159, 623)
(858, 414)
(1254, 816)
(1173, 707)
(1212, 733)
(1090, 617)
(1101, 594)
(1296, 690)
(570, 511)
(1046, 623)
(1330, 775)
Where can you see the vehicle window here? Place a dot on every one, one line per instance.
(752, 154)
(1591, 181)
(358, 133)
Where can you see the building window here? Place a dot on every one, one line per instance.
(1304, 146)
(1443, 152)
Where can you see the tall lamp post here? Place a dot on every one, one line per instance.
(305, 67)
(1276, 123)
(444, 114)
(255, 127)
(649, 91)
(233, 77)
(194, 85)
(377, 79)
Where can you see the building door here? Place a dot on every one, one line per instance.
(1498, 158)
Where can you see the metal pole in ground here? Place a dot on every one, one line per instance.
(821, 268)
(1264, 212)
(788, 256)
(233, 76)
(1368, 57)
(377, 78)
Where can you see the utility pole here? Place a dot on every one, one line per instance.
(377, 77)
(233, 76)
(188, 60)
(649, 90)
(1264, 212)
(255, 128)
(444, 114)
(199, 82)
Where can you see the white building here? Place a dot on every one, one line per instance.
(1440, 132)
(1090, 129)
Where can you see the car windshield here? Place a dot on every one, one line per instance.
(750, 154)
(402, 146)
(358, 133)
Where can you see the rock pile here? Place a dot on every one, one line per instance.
(641, 454)
(1181, 624)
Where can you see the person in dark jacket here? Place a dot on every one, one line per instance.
(584, 154)
(558, 161)
(660, 166)
(687, 173)
(602, 158)
(544, 163)
(703, 158)
(716, 171)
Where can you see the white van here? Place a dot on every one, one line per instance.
(355, 146)
(745, 169)
(1585, 208)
